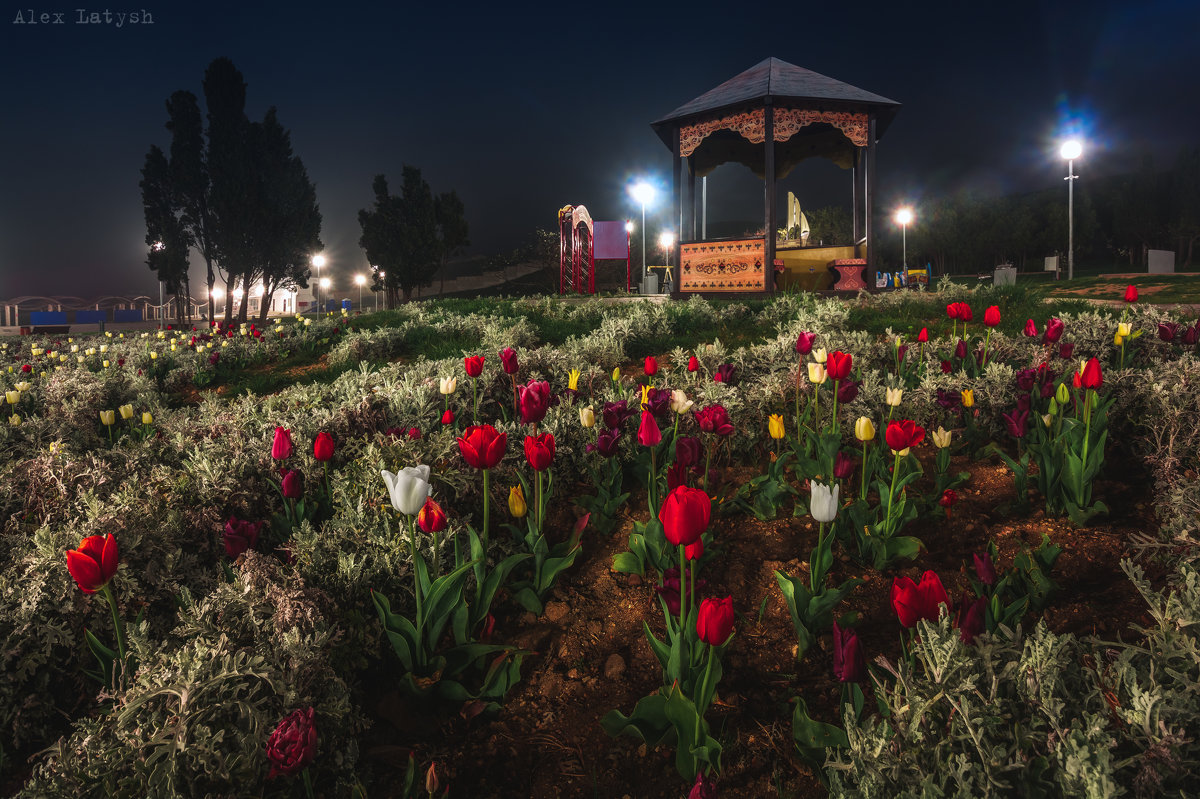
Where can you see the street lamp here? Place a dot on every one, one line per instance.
(1071, 150)
(324, 283)
(318, 261)
(216, 294)
(903, 217)
(361, 281)
(628, 239)
(667, 241)
(643, 193)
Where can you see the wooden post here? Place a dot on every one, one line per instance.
(691, 163)
(870, 205)
(856, 196)
(769, 200)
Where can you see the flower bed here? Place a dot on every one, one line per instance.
(607, 575)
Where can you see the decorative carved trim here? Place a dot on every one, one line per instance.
(751, 125)
(723, 266)
(788, 122)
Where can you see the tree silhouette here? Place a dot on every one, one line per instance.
(166, 234)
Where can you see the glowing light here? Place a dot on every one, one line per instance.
(360, 280)
(1071, 150)
(904, 216)
(666, 240)
(318, 261)
(218, 292)
(629, 227)
(325, 283)
(642, 192)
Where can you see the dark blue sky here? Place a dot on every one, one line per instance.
(523, 109)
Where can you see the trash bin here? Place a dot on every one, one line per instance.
(650, 283)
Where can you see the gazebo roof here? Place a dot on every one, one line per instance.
(785, 84)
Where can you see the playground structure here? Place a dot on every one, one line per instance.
(770, 118)
(582, 242)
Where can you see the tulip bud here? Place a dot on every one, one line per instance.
(431, 780)
(153, 356)
(516, 502)
(616, 374)
(1118, 340)
(816, 374)
(820, 355)
(864, 429)
(775, 426)
(894, 396)
(447, 385)
(14, 420)
(1053, 409)
(968, 397)
(824, 502)
(941, 438)
(13, 397)
(573, 380)
(126, 412)
(587, 416)
(105, 364)
(108, 417)
(147, 417)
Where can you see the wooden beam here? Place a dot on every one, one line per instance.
(677, 216)
(769, 200)
(856, 194)
(691, 163)
(870, 205)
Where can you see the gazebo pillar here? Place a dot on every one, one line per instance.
(769, 191)
(677, 215)
(870, 194)
(856, 195)
(691, 167)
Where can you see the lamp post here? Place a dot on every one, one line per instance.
(318, 261)
(217, 293)
(628, 239)
(903, 217)
(642, 193)
(324, 283)
(1071, 150)
(360, 280)
(667, 241)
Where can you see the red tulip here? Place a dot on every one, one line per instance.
(837, 365)
(685, 514)
(960, 349)
(651, 365)
(474, 365)
(448, 417)
(1091, 377)
(804, 343)
(694, 550)
(970, 621)
(693, 364)
(534, 400)
(985, 570)
(508, 359)
(323, 446)
(292, 484)
(991, 317)
(964, 312)
(94, 563)
(414, 433)
(431, 518)
(1030, 328)
(904, 434)
(849, 665)
(714, 624)
(952, 310)
(947, 367)
(714, 419)
(923, 336)
(1054, 331)
(913, 602)
(539, 451)
(281, 447)
(482, 447)
(1131, 293)
(648, 432)
(293, 745)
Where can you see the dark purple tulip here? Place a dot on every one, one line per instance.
(1167, 331)
(617, 413)
(804, 343)
(843, 467)
(688, 451)
(293, 484)
(985, 570)
(1015, 421)
(676, 476)
(901, 351)
(849, 665)
(658, 402)
(960, 351)
(1191, 334)
(970, 618)
(1048, 388)
(212, 359)
(1066, 350)
(1054, 331)
(949, 400)
(725, 374)
(1024, 403)
(239, 536)
(1026, 378)
(947, 367)
(848, 390)
(606, 442)
(703, 787)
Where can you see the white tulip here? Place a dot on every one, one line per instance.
(408, 488)
(824, 503)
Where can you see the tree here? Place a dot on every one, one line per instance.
(189, 176)
(166, 233)
(453, 232)
(401, 235)
(1185, 202)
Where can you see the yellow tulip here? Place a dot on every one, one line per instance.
(816, 374)
(864, 429)
(24, 385)
(13, 397)
(106, 364)
(147, 417)
(126, 412)
(14, 420)
(153, 356)
(1123, 330)
(775, 426)
(172, 348)
(820, 356)
(108, 417)
(645, 396)
(103, 348)
(573, 379)
(894, 396)
(616, 376)
(1118, 340)
(74, 348)
(941, 438)
(968, 397)
(516, 502)
(587, 416)
(80, 358)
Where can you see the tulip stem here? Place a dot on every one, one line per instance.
(892, 495)
(412, 538)
(863, 487)
(701, 695)
(707, 463)
(986, 344)
(486, 484)
(816, 573)
(653, 486)
(682, 587)
(308, 789)
(833, 422)
(475, 404)
(118, 625)
(541, 519)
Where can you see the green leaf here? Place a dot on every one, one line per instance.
(811, 734)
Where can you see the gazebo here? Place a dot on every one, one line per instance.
(770, 118)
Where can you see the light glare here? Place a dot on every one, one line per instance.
(1071, 150)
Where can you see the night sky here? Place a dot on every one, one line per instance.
(522, 110)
